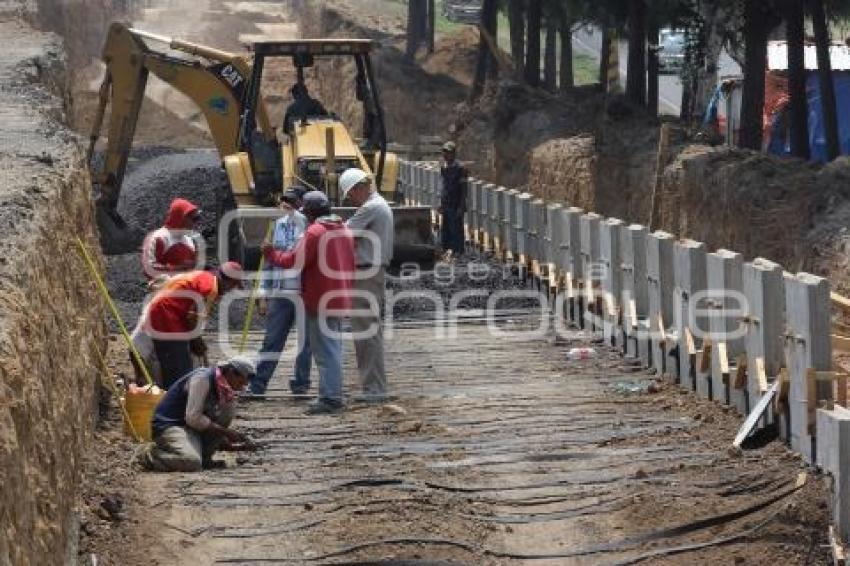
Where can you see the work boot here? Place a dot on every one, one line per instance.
(323, 407)
(373, 398)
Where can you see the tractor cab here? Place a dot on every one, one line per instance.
(315, 146)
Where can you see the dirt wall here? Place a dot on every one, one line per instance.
(50, 314)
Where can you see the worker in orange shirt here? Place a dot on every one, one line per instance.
(174, 314)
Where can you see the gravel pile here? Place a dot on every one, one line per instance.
(155, 178)
(478, 274)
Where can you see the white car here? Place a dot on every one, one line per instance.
(671, 50)
(463, 11)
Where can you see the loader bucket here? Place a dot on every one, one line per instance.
(414, 237)
(414, 240)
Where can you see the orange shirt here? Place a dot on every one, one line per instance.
(183, 294)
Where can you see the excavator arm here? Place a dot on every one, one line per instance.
(214, 80)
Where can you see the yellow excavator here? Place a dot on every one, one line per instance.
(259, 159)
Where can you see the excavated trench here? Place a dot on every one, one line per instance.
(504, 452)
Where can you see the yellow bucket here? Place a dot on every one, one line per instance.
(140, 404)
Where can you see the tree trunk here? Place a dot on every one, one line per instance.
(636, 73)
(490, 17)
(652, 67)
(486, 63)
(717, 20)
(532, 58)
(604, 58)
(798, 107)
(755, 66)
(550, 59)
(827, 86)
(516, 21)
(566, 32)
(417, 24)
(432, 24)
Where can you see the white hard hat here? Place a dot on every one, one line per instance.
(351, 178)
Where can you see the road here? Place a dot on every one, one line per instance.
(588, 40)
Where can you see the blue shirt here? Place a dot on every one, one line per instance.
(287, 231)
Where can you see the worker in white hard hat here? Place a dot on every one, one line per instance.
(372, 226)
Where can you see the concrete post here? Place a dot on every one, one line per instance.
(808, 346)
(508, 221)
(497, 212)
(726, 329)
(690, 280)
(590, 258)
(764, 290)
(537, 228)
(523, 218)
(555, 235)
(833, 456)
(571, 248)
(611, 259)
(475, 210)
(436, 186)
(634, 296)
(484, 215)
(660, 276)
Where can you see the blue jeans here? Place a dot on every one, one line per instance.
(279, 321)
(327, 350)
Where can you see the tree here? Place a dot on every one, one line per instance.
(717, 21)
(636, 73)
(417, 26)
(798, 107)
(605, 58)
(532, 58)
(652, 66)
(550, 59)
(431, 24)
(516, 22)
(759, 20)
(565, 30)
(827, 86)
(486, 62)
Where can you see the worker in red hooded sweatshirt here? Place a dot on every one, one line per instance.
(174, 247)
(174, 314)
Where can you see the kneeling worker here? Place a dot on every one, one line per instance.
(191, 422)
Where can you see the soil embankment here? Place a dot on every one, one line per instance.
(50, 314)
(602, 157)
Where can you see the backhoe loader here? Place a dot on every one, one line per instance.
(260, 160)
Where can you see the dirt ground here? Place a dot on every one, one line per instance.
(494, 452)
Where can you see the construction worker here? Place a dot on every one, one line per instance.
(452, 200)
(174, 247)
(175, 311)
(280, 307)
(325, 257)
(372, 225)
(303, 106)
(192, 421)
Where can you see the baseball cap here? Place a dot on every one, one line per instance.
(316, 201)
(241, 365)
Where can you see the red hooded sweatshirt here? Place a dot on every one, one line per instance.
(172, 248)
(325, 256)
(169, 310)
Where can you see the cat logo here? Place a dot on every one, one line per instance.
(219, 104)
